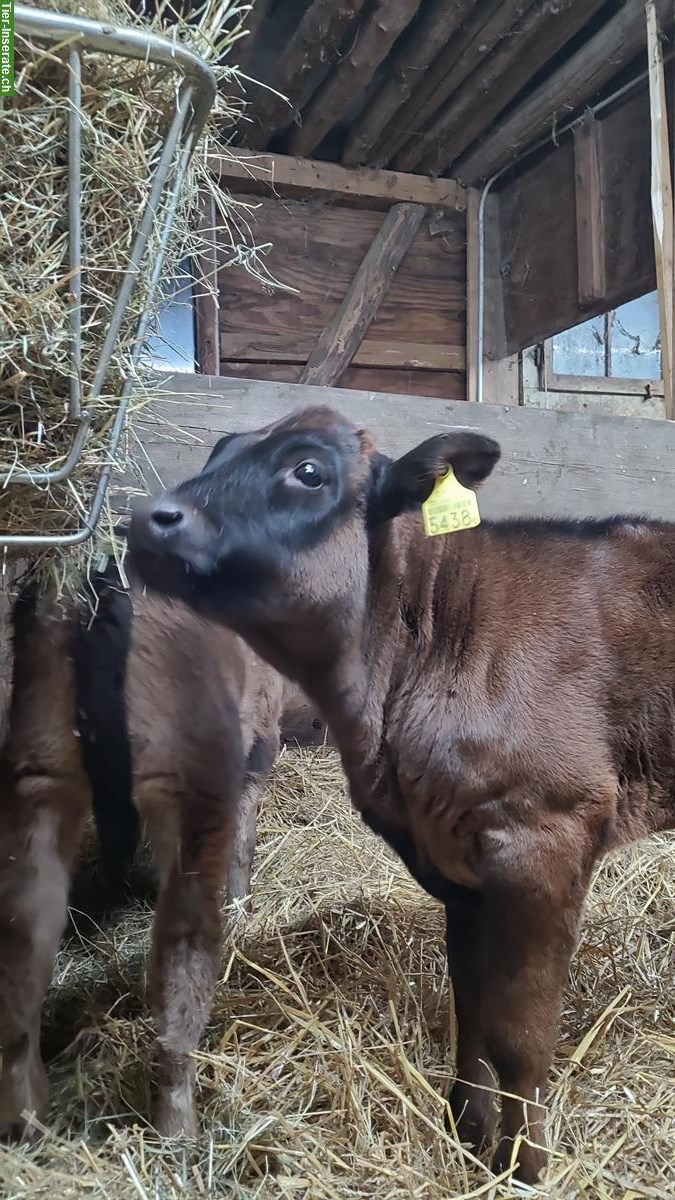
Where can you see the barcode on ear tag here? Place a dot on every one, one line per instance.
(450, 508)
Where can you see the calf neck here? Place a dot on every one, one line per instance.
(503, 699)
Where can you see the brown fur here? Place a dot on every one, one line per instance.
(199, 705)
(503, 700)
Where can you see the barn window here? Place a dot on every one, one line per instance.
(619, 351)
(171, 343)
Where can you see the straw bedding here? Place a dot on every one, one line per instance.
(331, 1035)
(127, 107)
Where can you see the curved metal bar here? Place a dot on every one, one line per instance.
(75, 228)
(142, 238)
(45, 479)
(128, 43)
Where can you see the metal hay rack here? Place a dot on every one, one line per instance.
(194, 98)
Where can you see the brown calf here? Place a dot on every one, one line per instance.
(161, 710)
(503, 699)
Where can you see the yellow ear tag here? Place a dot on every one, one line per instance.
(450, 508)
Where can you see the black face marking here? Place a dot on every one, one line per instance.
(228, 535)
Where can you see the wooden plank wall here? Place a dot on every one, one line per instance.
(553, 463)
(417, 341)
(537, 265)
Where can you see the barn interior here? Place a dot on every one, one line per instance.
(454, 205)
(547, 104)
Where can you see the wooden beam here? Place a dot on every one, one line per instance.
(339, 340)
(500, 77)
(472, 296)
(662, 200)
(389, 355)
(316, 39)
(445, 385)
(367, 188)
(553, 463)
(406, 68)
(478, 36)
(349, 79)
(206, 289)
(588, 190)
(562, 93)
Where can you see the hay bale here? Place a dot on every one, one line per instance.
(127, 106)
(331, 1038)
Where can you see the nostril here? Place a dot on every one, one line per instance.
(167, 516)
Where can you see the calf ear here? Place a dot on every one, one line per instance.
(219, 446)
(404, 485)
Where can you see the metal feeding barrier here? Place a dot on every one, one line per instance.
(194, 100)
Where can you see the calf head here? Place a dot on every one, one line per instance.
(272, 538)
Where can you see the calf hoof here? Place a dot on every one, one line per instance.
(176, 1114)
(22, 1090)
(530, 1160)
(474, 1113)
(20, 1131)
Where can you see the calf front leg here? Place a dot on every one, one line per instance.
(472, 1098)
(533, 899)
(186, 955)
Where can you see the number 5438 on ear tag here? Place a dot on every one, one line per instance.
(450, 508)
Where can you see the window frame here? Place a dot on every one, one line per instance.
(552, 381)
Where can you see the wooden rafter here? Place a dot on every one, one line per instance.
(508, 24)
(590, 212)
(450, 68)
(242, 52)
(343, 335)
(316, 39)
(662, 200)
(516, 58)
(300, 177)
(585, 73)
(352, 74)
(405, 69)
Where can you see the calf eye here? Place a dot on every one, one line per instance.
(309, 475)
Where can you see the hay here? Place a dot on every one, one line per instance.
(332, 1036)
(127, 106)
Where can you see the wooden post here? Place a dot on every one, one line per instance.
(486, 354)
(592, 285)
(472, 295)
(206, 290)
(343, 335)
(662, 201)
